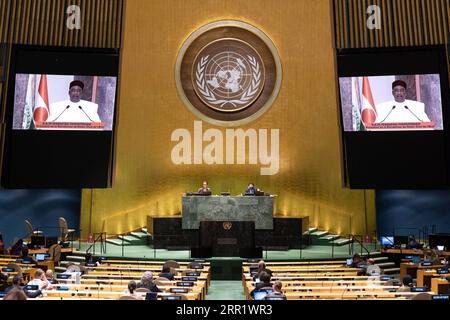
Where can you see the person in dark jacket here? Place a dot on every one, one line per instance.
(357, 262)
(147, 282)
(25, 256)
(264, 282)
(18, 285)
(262, 268)
(167, 274)
(16, 249)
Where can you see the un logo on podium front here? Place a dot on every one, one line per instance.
(227, 225)
(228, 73)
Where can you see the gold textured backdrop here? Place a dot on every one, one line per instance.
(309, 180)
(403, 23)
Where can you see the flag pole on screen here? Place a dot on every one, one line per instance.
(94, 89)
(356, 105)
(28, 109)
(368, 113)
(42, 108)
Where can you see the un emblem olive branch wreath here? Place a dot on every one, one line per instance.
(209, 95)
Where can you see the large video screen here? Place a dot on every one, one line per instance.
(391, 103)
(393, 108)
(64, 102)
(60, 117)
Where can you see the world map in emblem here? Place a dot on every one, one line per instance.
(228, 75)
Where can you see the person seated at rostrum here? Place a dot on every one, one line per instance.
(407, 282)
(147, 282)
(165, 273)
(251, 190)
(205, 188)
(17, 284)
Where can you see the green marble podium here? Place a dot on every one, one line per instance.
(227, 208)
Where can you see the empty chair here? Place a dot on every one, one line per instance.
(191, 265)
(73, 268)
(422, 296)
(128, 297)
(31, 231)
(66, 233)
(185, 272)
(160, 281)
(171, 264)
(15, 267)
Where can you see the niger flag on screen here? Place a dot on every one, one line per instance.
(368, 113)
(42, 109)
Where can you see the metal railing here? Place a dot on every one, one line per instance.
(354, 238)
(98, 237)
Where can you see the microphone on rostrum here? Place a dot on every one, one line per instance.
(62, 112)
(406, 107)
(393, 107)
(85, 113)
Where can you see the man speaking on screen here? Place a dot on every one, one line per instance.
(75, 109)
(401, 109)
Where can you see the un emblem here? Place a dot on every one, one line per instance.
(227, 225)
(229, 76)
(228, 73)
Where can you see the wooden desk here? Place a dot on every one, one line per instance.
(270, 264)
(95, 288)
(45, 250)
(100, 295)
(424, 277)
(410, 252)
(144, 262)
(440, 286)
(307, 269)
(408, 268)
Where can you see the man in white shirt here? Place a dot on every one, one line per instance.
(401, 109)
(40, 280)
(74, 109)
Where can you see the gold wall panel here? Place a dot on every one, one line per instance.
(309, 179)
(43, 22)
(403, 23)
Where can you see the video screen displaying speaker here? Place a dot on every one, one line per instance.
(60, 117)
(391, 103)
(394, 117)
(63, 102)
